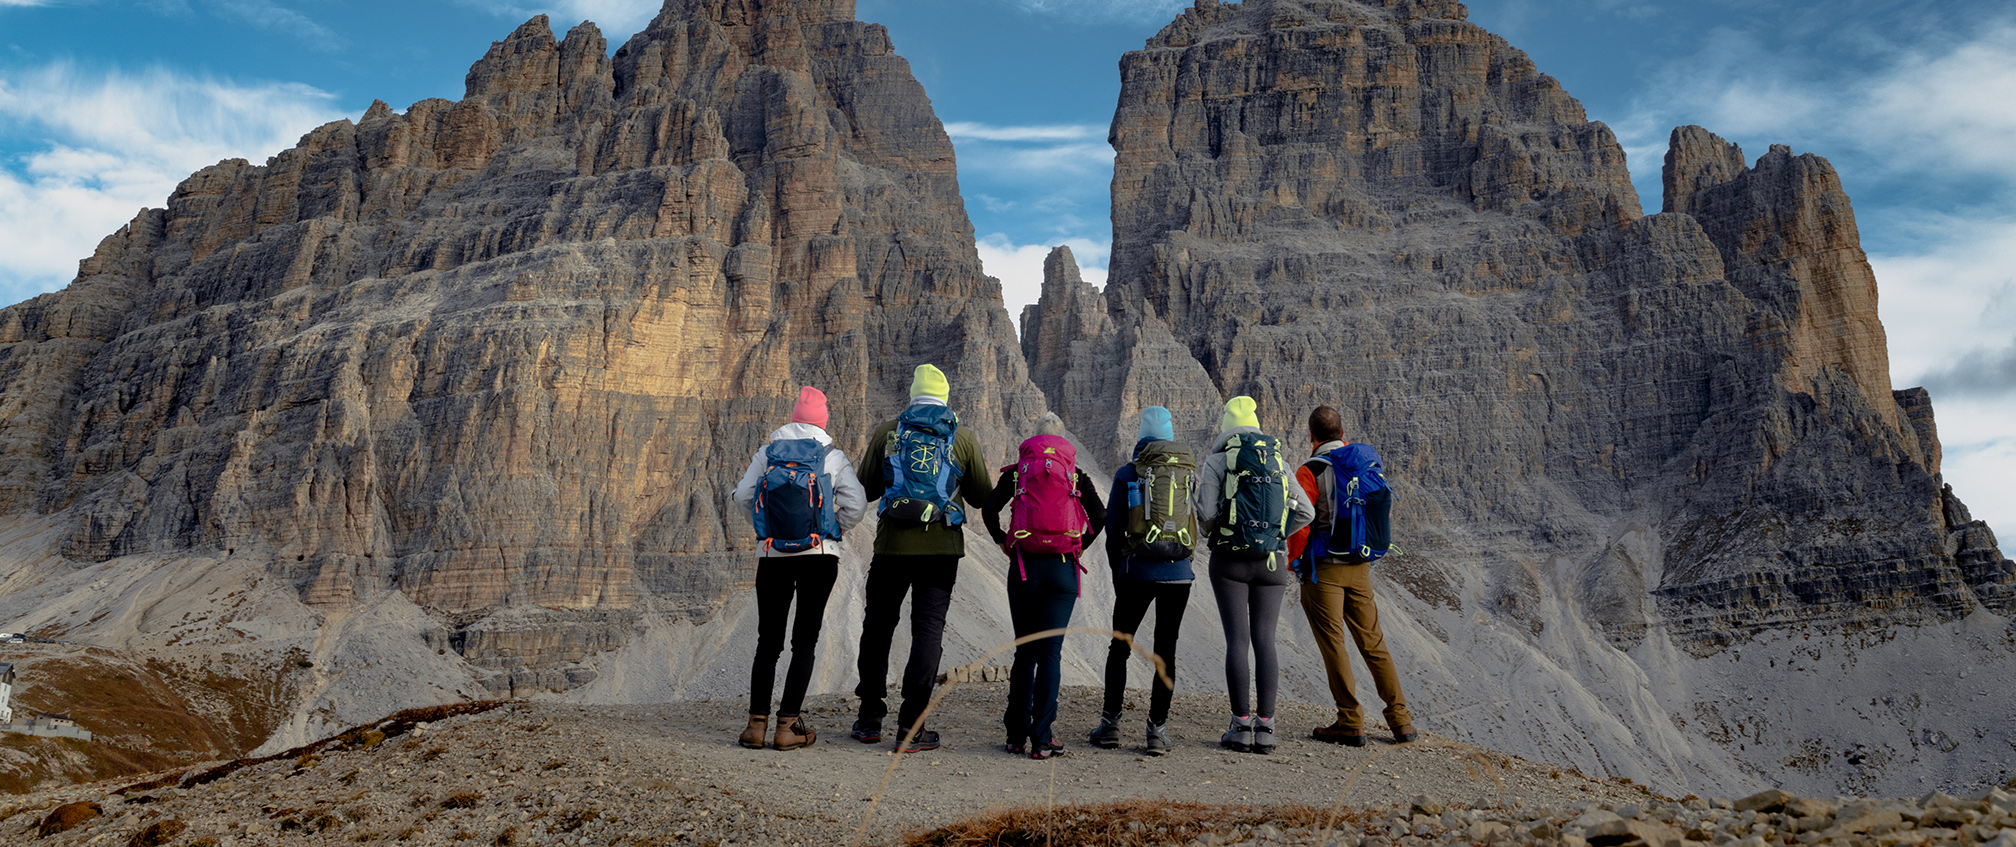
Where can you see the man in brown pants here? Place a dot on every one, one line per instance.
(1336, 595)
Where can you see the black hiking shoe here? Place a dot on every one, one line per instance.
(1046, 750)
(1107, 735)
(866, 732)
(1158, 738)
(925, 740)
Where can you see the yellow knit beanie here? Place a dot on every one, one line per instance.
(1239, 411)
(930, 382)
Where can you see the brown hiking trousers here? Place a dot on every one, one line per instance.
(1340, 599)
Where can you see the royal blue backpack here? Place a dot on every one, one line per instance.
(1360, 529)
(920, 469)
(793, 511)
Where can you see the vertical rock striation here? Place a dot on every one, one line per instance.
(512, 351)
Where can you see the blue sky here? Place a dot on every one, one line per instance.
(106, 104)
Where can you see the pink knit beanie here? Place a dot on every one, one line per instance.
(811, 408)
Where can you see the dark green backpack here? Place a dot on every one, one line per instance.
(1254, 517)
(1161, 523)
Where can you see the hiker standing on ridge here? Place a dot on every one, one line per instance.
(924, 468)
(1334, 558)
(1151, 532)
(802, 494)
(1057, 514)
(1248, 508)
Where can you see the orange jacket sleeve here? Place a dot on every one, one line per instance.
(1301, 537)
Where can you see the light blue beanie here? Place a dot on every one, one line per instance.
(1155, 423)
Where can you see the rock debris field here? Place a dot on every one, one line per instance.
(545, 773)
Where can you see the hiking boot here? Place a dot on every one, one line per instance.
(1046, 750)
(1240, 736)
(1338, 733)
(1107, 735)
(792, 733)
(1405, 733)
(925, 740)
(1016, 746)
(1158, 738)
(866, 732)
(752, 735)
(1263, 735)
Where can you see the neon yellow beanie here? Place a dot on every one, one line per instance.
(930, 382)
(1239, 411)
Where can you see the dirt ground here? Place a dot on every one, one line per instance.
(541, 773)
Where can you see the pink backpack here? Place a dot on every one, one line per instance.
(1048, 517)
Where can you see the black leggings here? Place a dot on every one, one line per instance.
(778, 579)
(1249, 607)
(1132, 599)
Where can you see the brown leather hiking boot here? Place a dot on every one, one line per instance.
(1338, 733)
(752, 736)
(792, 733)
(1405, 733)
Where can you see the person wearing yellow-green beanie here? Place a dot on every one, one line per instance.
(929, 381)
(919, 540)
(1249, 585)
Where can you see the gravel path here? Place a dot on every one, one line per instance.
(543, 773)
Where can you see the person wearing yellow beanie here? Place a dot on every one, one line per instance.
(1240, 411)
(1244, 479)
(929, 381)
(924, 468)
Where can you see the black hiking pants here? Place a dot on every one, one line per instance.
(928, 579)
(1132, 600)
(778, 579)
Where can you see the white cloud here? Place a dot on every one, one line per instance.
(25, 2)
(1957, 108)
(1058, 132)
(1106, 9)
(618, 19)
(1946, 111)
(115, 143)
(1020, 267)
(267, 14)
(1039, 152)
(1950, 300)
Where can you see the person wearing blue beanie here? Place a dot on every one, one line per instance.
(1148, 575)
(1157, 425)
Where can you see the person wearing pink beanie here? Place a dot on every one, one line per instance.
(784, 571)
(811, 408)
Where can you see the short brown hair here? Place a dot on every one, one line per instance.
(1326, 425)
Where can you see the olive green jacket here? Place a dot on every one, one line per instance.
(907, 538)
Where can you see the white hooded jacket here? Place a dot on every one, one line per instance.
(850, 500)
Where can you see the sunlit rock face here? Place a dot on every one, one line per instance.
(1627, 444)
(513, 351)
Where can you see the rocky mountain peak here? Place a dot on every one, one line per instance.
(503, 358)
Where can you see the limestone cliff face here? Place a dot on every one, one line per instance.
(513, 351)
(1676, 430)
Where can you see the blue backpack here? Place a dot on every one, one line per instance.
(794, 501)
(1360, 528)
(920, 469)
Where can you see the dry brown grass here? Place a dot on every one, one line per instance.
(355, 738)
(1125, 823)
